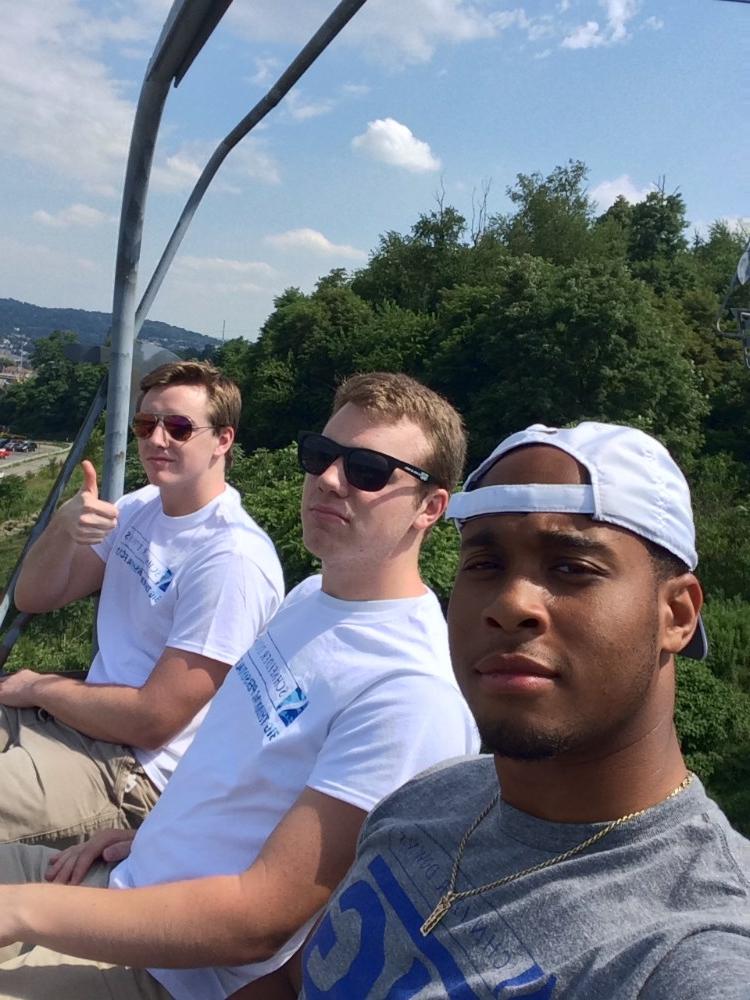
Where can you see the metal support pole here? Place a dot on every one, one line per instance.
(188, 25)
(331, 27)
(143, 141)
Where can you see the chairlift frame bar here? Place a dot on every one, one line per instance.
(188, 26)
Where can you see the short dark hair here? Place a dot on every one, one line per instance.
(666, 564)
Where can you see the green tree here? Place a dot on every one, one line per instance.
(412, 271)
(559, 344)
(713, 722)
(656, 241)
(234, 358)
(305, 348)
(12, 494)
(54, 401)
(657, 226)
(553, 215)
(438, 560)
(727, 623)
(721, 502)
(270, 484)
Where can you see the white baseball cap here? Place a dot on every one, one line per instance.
(634, 483)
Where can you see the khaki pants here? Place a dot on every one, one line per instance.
(36, 973)
(57, 786)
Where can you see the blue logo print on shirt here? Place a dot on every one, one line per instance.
(274, 690)
(153, 575)
(369, 961)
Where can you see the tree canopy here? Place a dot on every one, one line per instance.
(553, 312)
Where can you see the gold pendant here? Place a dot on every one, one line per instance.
(443, 905)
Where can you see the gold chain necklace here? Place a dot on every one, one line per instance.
(450, 897)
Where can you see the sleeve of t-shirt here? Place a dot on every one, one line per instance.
(222, 603)
(707, 965)
(388, 734)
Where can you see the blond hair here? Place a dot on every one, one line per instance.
(393, 396)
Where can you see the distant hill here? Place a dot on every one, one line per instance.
(21, 322)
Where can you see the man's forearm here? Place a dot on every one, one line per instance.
(204, 922)
(113, 712)
(46, 571)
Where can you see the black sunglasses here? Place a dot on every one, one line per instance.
(178, 427)
(364, 469)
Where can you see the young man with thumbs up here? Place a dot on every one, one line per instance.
(187, 580)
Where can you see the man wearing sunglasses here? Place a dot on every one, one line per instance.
(348, 693)
(187, 580)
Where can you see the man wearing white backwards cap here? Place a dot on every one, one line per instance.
(582, 859)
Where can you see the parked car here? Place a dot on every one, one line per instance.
(26, 446)
(5, 452)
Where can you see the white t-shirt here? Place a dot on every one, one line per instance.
(206, 582)
(350, 698)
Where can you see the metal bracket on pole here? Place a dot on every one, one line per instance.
(740, 315)
(742, 318)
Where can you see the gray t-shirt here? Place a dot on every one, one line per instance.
(657, 910)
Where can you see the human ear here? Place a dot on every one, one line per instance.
(431, 509)
(682, 601)
(225, 439)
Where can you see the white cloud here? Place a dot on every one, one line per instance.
(250, 160)
(619, 14)
(69, 279)
(540, 29)
(391, 142)
(737, 224)
(225, 267)
(178, 172)
(516, 18)
(267, 69)
(73, 215)
(355, 89)
(61, 107)
(585, 36)
(301, 108)
(58, 105)
(230, 284)
(606, 193)
(313, 241)
(93, 32)
(395, 34)
(389, 31)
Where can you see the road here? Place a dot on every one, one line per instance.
(25, 462)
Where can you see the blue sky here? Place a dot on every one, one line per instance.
(413, 97)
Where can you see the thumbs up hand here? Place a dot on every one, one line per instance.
(85, 517)
(89, 479)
